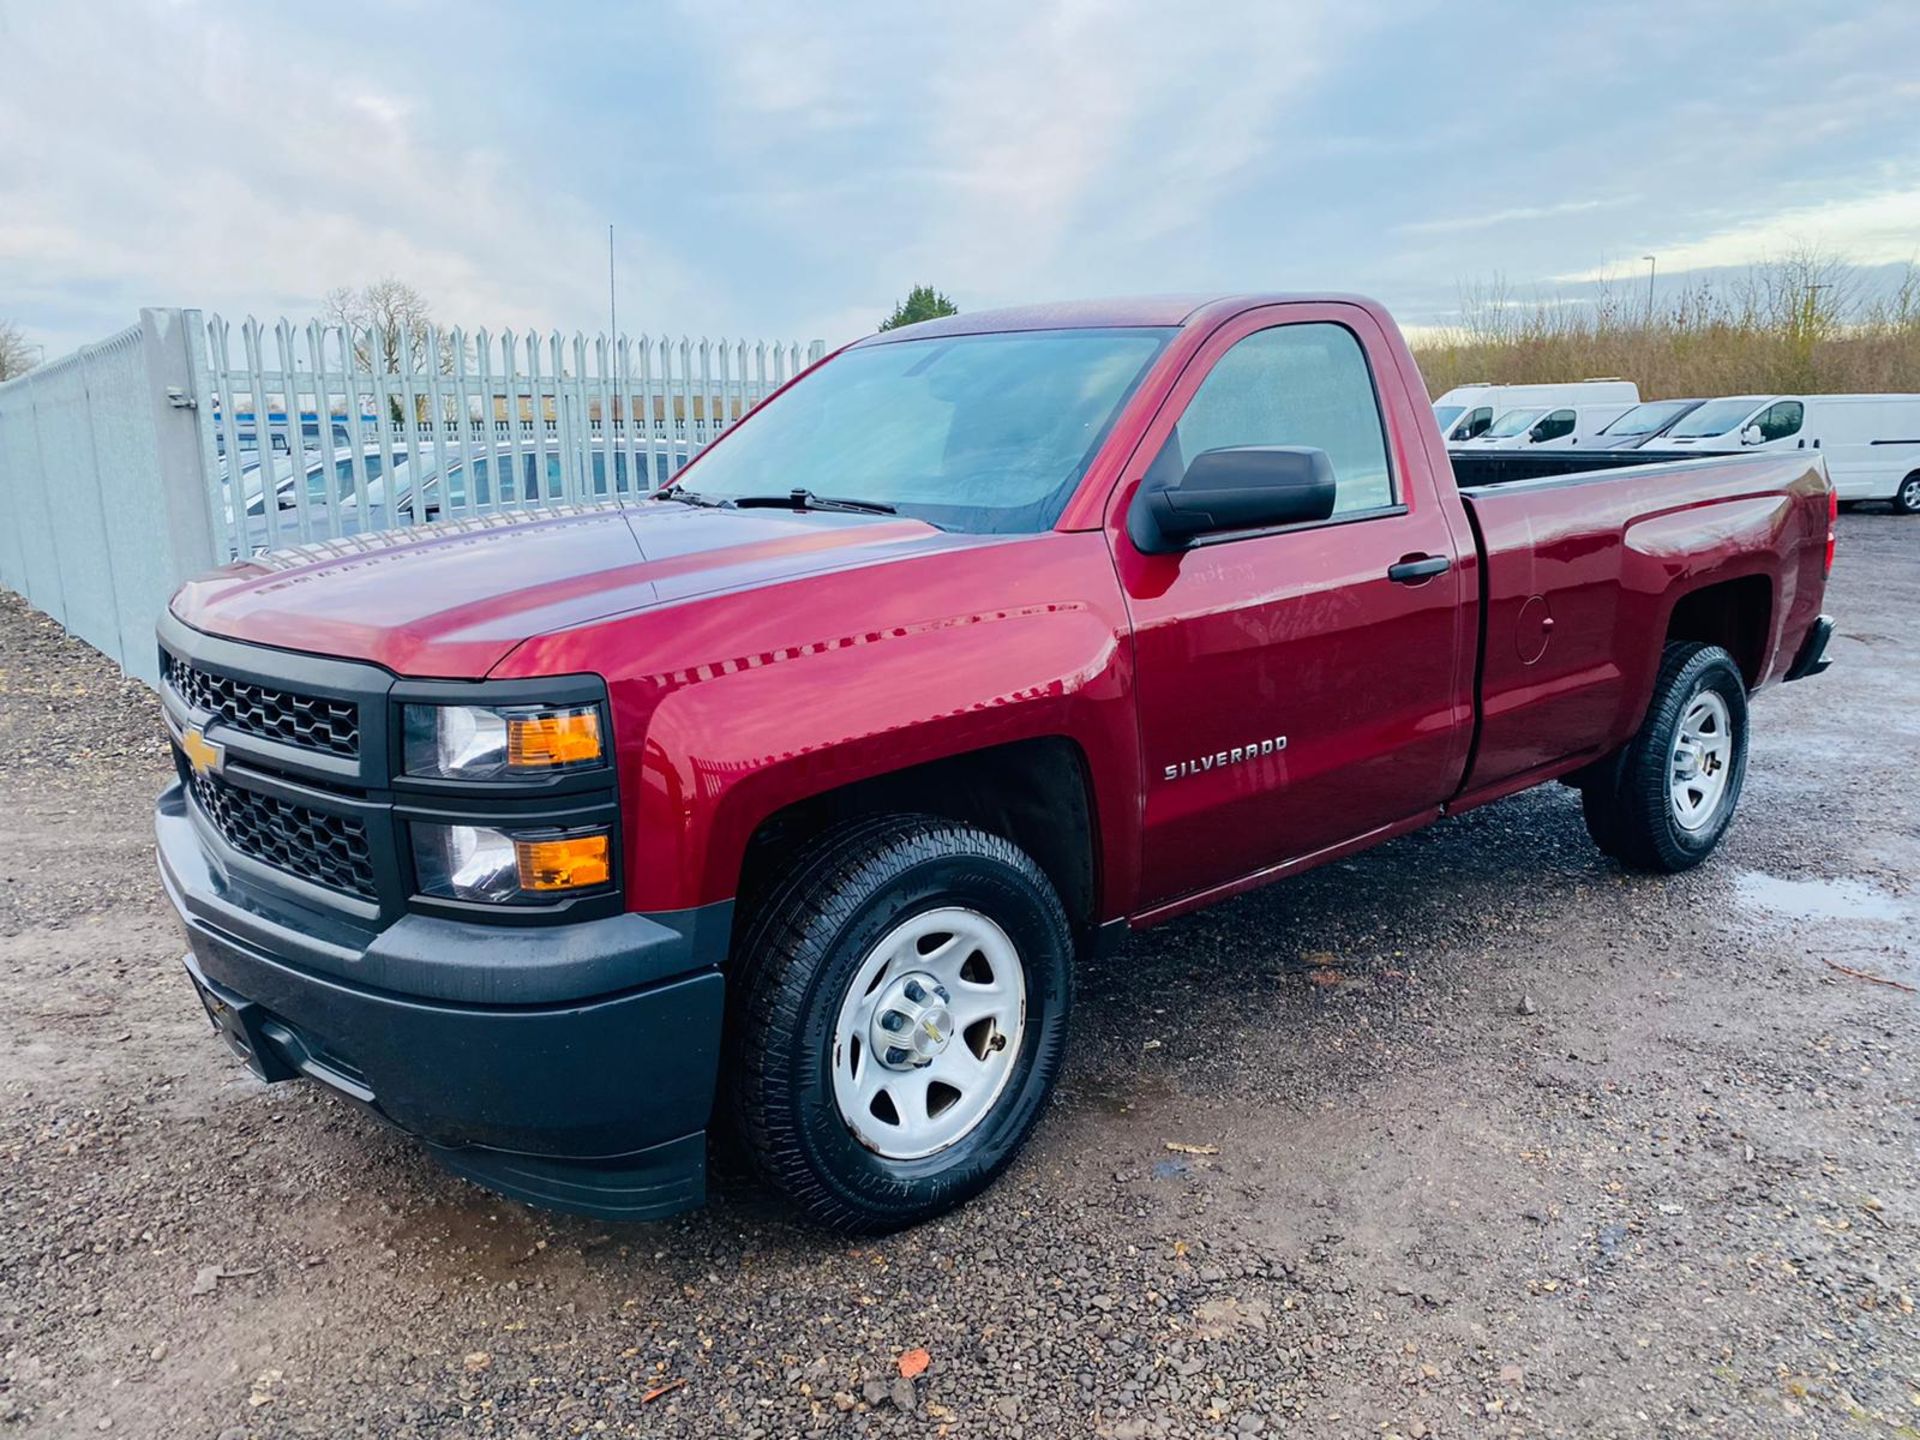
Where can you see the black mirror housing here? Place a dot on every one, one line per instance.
(1240, 487)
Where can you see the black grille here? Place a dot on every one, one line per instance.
(312, 722)
(329, 850)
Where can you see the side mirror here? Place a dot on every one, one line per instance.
(1752, 436)
(1537, 434)
(1241, 487)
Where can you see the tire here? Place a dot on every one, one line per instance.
(797, 1081)
(1906, 500)
(1662, 806)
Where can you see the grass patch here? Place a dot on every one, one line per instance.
(1804, 324)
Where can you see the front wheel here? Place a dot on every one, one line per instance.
(1906, 500)
(1665, 800)
(899, 1021)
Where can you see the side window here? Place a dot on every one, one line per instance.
(1781, 419)
(1477, 422)
(1556, 426)
(1295, 385)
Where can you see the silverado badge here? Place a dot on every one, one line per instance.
(1239, 754)
(204, 755)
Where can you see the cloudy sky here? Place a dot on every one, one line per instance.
(783, 170)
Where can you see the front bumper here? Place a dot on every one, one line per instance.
(571, 1066)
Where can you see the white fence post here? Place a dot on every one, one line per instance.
(178, 390)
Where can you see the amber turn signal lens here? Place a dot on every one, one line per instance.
(578, 862)
(543, 742)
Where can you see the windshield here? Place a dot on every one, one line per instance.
(980, 433)
(1647, 418)
(1514, 422)
(1716, 417)
(1447, 414)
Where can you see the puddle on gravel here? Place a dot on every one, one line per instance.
(1816, 899)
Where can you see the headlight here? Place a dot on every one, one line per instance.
(476, 862)
(487, 742)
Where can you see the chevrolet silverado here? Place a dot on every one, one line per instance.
(782, 800)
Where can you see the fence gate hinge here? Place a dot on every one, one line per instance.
(179, 399)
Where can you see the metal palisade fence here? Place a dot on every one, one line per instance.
(323, 431)
(131, 465)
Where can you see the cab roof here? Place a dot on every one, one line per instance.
(1125, 312)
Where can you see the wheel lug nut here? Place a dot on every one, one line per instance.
(893, 1020)
(914, 992)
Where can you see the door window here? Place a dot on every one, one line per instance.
(1294, 385)
(1476, 423)
(1781, 419)
(1556, 426)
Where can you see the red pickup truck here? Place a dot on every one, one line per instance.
(784, 799)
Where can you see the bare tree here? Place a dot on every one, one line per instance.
(377, 316)
(389, 322)
(17, 353)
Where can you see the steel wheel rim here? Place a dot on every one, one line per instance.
(1701, 761)
(1910, 493)
(928, 1033)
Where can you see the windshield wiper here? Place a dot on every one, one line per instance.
(688, 497)
(807, 500)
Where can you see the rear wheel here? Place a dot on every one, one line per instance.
(1665, 800)
(901, 1014)
(1906, 499)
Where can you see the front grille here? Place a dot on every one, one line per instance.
(329, 850)
(313, 722)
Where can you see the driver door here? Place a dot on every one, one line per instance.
(1292, 695)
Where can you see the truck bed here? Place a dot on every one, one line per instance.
(1582, 555)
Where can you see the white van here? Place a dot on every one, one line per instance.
(1467, 410)
(1871, 442)
(1560, 427)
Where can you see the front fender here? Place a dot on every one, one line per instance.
(731, 708)
(725, 753)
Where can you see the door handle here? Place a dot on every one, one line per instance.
(1421, 568)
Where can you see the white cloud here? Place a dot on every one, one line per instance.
(794, 66)
(776, 167)
(205, 170)
(1874, 229)
(1494, 218)
(1078, 124)
(988, 147)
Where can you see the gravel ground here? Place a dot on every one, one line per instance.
(1471, 1136)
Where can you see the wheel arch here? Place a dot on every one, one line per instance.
(1037, 793)
(1736, 614)
(1901, 489)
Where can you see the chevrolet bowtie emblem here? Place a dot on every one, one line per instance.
(204, 755)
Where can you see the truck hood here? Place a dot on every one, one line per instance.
(451, 600)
